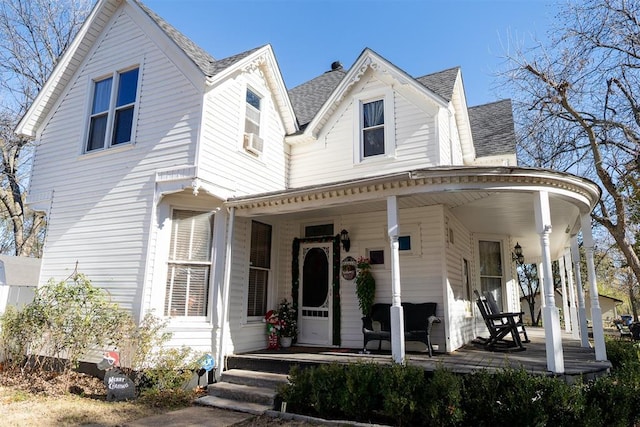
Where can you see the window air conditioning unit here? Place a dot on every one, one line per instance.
(253, 143)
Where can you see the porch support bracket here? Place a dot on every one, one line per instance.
(397, 317)
(582, 310)
(596, 312)
(550, 314)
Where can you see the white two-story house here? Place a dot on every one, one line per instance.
(203, 189)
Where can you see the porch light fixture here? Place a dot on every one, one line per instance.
(517, 255)
(344, 238)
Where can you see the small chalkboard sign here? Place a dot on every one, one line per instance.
(119, 386)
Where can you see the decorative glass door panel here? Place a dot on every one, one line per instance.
(314, 306)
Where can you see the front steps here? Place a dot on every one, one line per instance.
(244, 390)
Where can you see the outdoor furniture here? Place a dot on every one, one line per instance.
(494, 309)
(500, 326)
(418, 321)
(624, 331)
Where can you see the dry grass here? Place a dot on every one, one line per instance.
(49, 399)
(20, 408)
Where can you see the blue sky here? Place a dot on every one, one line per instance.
(419, 36)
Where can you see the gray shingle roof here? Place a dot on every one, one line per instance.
(441, 83)
(224, 63)
(493, 129)
(199, 56)
(308, 98)
(207, 63)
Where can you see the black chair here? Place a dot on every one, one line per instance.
(518, 317)
(500, 326)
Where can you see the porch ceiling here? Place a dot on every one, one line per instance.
(488, 201)
(481, 212)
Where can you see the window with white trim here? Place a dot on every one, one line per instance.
(112, 110)
(252, 140)
(259, 269)
(374, 130)
(491, 272)
(189, 264)
(372, 120)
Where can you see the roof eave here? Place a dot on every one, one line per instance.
(368, 58)
(256, 59)
(27, 126)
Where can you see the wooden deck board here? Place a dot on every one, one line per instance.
(578, 361)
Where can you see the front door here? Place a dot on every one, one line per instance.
(315, 296)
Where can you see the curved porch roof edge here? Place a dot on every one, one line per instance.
(582, 191)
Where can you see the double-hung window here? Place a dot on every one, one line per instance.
(259, 267)
(372, 120)
(112, 110)
(252, 140)
(189, 265)
(252, 116)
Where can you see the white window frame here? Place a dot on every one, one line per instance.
(505, 265)
(209, 263)
(387, 96)
(108, 139)
(243, 119)
(270, 273)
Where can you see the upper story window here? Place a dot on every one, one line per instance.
(252, 140)
(112, 110)
(373, 128)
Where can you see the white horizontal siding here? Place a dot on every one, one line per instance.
(331, 157)
(222, 156)
(460, 322)
(102, 204)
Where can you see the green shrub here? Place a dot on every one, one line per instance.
(402, 388)
(362, 397)
(149, 362)
(402, 395)
(442, 404)
(623, 353)
(65, 320)
(297, 393)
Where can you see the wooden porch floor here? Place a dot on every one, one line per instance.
(578, 361)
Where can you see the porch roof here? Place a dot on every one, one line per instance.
(487, 200)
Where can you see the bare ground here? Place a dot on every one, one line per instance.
(73, 399)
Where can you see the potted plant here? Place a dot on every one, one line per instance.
(365, 286)
(288, 318)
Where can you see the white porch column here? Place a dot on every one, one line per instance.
(566, 260)
(596, 313)
(565, 300)
(550, 315)
(582, 310)
(221, 319)
(541, 281)
(397, 316)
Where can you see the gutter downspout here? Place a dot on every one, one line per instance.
(225, 294)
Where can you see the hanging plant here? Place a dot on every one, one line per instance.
(365, 286)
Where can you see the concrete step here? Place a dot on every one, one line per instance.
(254, 378)
(243, 393)
(234, 405)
